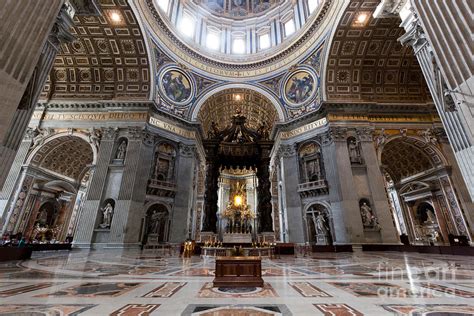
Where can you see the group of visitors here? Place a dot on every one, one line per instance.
(16, 240)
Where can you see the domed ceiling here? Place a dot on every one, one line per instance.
(238, 9)
(238, 39)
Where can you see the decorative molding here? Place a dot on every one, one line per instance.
(135, 132)
(389, 8)
(338, 133)
(428, 135)
(365, 134)
(148, 138)
(286, 151)
(94, 135)
(186, 150)
(109, 133)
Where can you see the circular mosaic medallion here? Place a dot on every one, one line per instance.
(238, 290)
(299, 87)
(176, 86)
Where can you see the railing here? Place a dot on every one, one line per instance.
(161, 188)
(312, 188)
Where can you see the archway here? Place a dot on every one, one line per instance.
(156, 225)
(55, 181)
(420, 190)
(319, 228)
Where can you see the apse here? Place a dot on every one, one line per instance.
(220, 107)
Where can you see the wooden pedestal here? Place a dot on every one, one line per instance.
(238, 272)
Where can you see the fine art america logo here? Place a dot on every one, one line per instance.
(417, 281)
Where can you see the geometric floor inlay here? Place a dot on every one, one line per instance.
(236, 310)
(208, 291)
(432, 309)
(44, 309)
(130, 282)
(307, 289)
(166, 290)
(378, 289)
(25, 289)
(92, 289)
(135, 310)
(448, 290)
(337, 310)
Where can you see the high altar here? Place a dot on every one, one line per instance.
(238, 218)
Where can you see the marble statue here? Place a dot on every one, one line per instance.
(121, 150)
(41, 134)
(43, 218)
(354, 151)
(107, 213)
(431, 217)
(154, 223)
(367, 215)
(94, 137)
(322, 227)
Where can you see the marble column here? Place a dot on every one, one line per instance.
(377, 187)
(184, 187)
(448, 78)
(12, 186)
(264, 197)
(35, 31)
(289, 192)
(211, 187)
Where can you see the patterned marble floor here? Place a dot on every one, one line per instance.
(126, 282)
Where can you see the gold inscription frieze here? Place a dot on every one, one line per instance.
(383, 118)
(91, 116)
(303, 129)
(172, 128)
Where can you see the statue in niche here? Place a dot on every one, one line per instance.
(354, 150)
(431, 217)
(366, 213)
(322, 227)
(154, 222)
(43, 218)
(107, 213)
(121, 150)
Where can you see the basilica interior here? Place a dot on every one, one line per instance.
(145, 142)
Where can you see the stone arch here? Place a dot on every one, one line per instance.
(272, 99)
(67, 155)
(431, 156)
(53, 140)
(156, 223)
